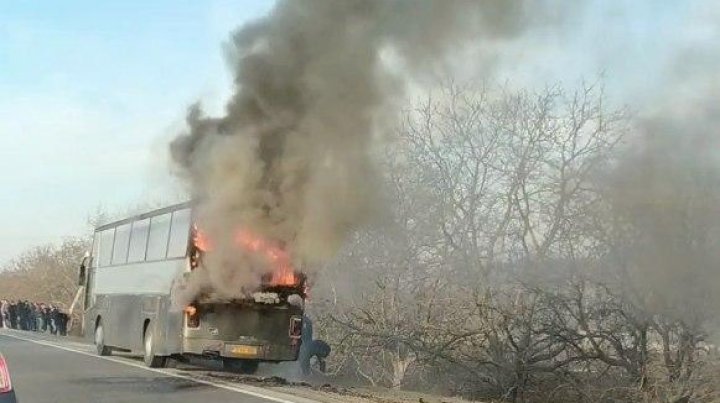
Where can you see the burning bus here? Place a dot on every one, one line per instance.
(140, 265)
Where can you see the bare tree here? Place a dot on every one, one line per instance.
(479, 180)
(512, 172)
(45, 273)
(511, 268)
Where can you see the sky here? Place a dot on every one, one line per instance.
(91, 92)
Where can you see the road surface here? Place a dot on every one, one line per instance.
(54, 370)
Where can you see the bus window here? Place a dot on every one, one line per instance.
(106, 244)
(138, 240)
(120, 248)
(158, 241)
(179, 233)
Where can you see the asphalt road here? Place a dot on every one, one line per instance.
(46, 370)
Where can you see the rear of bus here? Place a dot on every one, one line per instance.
(263, 326)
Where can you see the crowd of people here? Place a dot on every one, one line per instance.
(33, 316)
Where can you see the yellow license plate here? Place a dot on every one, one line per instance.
(245, 351)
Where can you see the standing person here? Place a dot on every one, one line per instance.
(22, 319)
(53, 319)
(33, 316)
(62, 323)
(12, 311)
(48, 317)
(44, 316)
(4, 320)
(38, 317)
(30, 315)
(18, 314)
(27, 311)
(26, 315)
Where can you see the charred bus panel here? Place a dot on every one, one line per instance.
(244, 330)
(266, 326)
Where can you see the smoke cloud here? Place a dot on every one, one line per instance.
(669, 192)
(316, 87)
(667, 188)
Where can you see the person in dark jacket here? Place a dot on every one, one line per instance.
(62, 319)
(27, 309)
(310, 348)
(12, 311)
(33, 316)
(26, 315)
(54, 319)
(45, 315)
(19, 314)
(22, 315)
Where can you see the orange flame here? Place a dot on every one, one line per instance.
(201, 240)
(283, 272)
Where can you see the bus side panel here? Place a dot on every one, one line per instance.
(170, 322)
(123, 325)
(132, 295)
(149, 313)
(123, 318)
(97, 310)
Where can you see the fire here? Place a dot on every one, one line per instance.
(283, 273)
(201, 240)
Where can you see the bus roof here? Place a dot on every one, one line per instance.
(143, 216)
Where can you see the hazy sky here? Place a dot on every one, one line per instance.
(92, 91)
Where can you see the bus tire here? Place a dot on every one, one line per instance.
(151, 360)
(102, 349)
(247, 367)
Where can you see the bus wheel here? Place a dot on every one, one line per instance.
(152, 360)
(248, 367)
(102, 349)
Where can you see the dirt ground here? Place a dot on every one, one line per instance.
(328, 393)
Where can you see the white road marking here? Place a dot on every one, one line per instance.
(244, 389)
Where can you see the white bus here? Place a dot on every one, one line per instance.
(129, 279)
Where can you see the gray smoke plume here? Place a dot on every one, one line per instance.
(667, 188)
(291, 159)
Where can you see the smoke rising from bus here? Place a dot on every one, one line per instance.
(291, 159)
